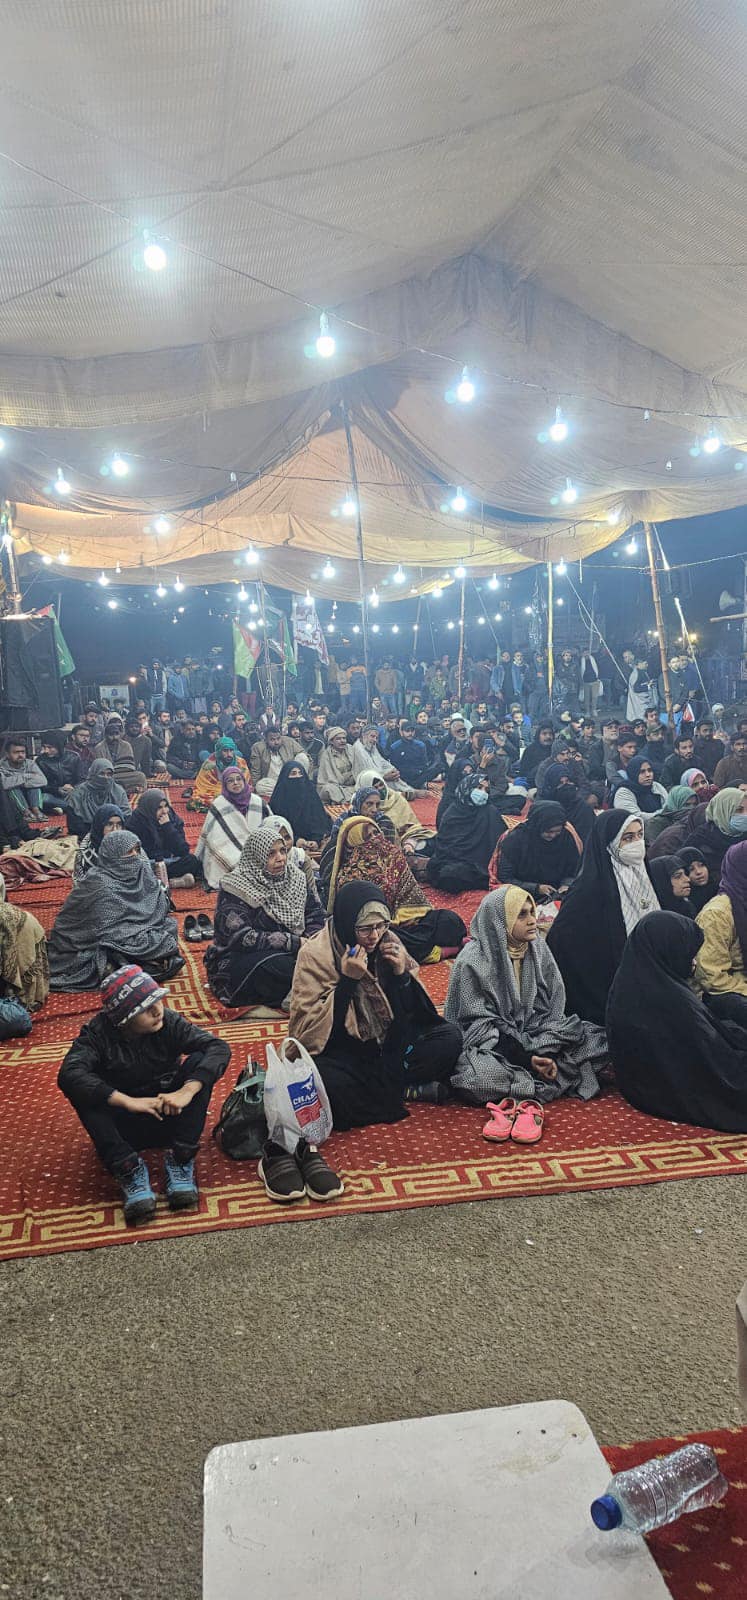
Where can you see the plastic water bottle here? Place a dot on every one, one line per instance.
(661, 1490)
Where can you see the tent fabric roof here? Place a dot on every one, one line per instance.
(549, 191)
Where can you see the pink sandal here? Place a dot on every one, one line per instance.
(502, 1116)
(528, 1123)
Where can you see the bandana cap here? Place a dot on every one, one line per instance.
(127, 992)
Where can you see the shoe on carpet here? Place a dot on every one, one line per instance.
(204, 926)
(192, 933)
(186, 882)
(320, 1182)
(181, 1183)
(502, 1119)
(432, 1094)
(137, 1194)
(530, 1118)
(280, 1174)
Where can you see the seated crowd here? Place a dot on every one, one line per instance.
(613, 862)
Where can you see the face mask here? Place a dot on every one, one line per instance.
(631, 853)
(479, 797)
(738, 823)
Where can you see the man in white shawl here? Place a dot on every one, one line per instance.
(366, 755)
(336, 781)
(507, 996)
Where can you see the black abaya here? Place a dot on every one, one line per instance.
(661, 871)
(528, 860)
(465, 843)
(588, 934)
(297, 800)
(672, 1057)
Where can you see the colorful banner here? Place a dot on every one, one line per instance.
(246, 648)
(279, 638)
(64, 659)
(307, 628)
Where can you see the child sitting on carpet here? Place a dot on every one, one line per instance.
(140, 1076)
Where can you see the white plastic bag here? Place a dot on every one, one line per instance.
(296, 1101)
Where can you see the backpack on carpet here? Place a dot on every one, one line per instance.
(241, 1128)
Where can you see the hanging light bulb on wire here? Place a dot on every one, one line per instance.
(328, 570)
(103, 580)
(325, 344)
(398, 576)
(558, 430)
(459, 501)
(569, 494)
(561, 568)
(712, 443)
(465, 389)
(61, 485)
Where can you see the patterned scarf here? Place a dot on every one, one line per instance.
(284, 898)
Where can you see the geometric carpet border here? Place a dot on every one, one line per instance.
(381, 1187)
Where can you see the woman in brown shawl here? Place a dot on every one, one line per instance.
(357, 1006)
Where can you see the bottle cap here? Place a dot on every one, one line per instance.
(606, 1512)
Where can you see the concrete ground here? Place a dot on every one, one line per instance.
(123, 1367)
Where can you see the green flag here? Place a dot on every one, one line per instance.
(246, 648)
(64, 659)
(280, 639)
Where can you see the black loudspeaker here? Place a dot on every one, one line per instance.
(31, 688)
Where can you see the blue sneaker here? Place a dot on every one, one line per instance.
(181, 1184)
(137, 1194)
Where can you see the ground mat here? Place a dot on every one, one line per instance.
(705, 1553)
(54, 1196)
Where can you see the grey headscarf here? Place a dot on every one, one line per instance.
(501, 1025)
(118, 914)
(98, 789)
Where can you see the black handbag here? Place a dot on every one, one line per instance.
(241, 1128)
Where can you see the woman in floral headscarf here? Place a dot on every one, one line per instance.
(363, 855)
(207, 784)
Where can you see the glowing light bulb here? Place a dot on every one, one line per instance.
(46, 561)
(436, 593)
(398, 576)
(498, 616)
(253, 607)
(63, 558)
(569, 493)
(480, 622)
(61, 485)
(632, 547)
(465, 389)
(325, 344)
(178, 586)
(560, 601)
(251, 556)
(119, 466)
(328, 570)
(104, 581)
(243, 593)
(459, 501)
(494, 582)
(308, 598)
(349, 506)
(561, 568)
(558, 430)
(613, 517)
(180, 609)
(460, 572)
(449, 624)
(112, 604)
(711, 444)
(162, 525)
(395, 627)
(330, 627)
(355, 628)
(527, 611)
(375, 628)
(155, 257)
(374, 598)
(160, 591)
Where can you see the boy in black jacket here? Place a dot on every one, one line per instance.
(139, 1076)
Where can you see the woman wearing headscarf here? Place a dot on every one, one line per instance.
(695, 779)
(466, 839)
(295, 797)
(672, 1057)
(670, 879)
(299, 855)
(234, 813)
(541, 855)
(721, 964)
(207, 784)
(465, 767)
(639, 790)
(97, 789)
(679, 801)
(561, 785)
(411, 833)
(610, 895)
(108, 819)
(263, 911)
(359, 1008)
(366, 802)
(24, 968)
(697, 871)
(115, 748)
(117, 915)
(725, 823)
(507, 996)
(161, 834)
(336, 781)
(361, 854)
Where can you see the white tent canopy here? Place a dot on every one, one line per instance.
(549, 193)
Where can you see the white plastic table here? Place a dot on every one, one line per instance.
(487, 1505)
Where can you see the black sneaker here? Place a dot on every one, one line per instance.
(434, 1094)
(280, 1174)
(320, 1181)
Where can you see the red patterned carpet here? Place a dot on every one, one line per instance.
(54, 1196)
(706, 1553)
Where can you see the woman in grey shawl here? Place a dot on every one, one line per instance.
(117, 915)
(97, 789)
(507, 996)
